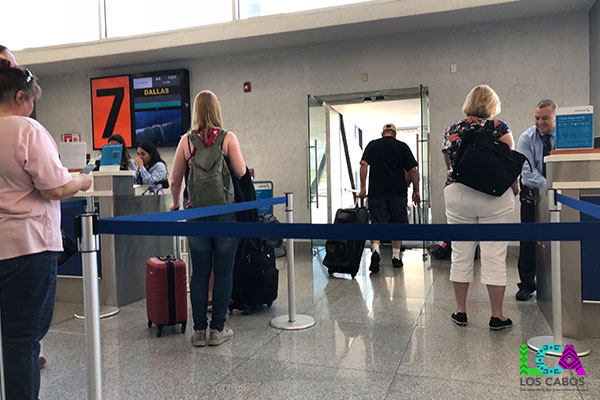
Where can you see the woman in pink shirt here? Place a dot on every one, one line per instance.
(32, 183)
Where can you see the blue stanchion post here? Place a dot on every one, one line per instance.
(86, 228)
(292, 321)
(535, 343)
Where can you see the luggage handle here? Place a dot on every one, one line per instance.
(176, 248)
(356, 202)
(356, 198)
(176, 245)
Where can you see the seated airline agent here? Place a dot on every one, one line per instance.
(127, 163)
(151, 168)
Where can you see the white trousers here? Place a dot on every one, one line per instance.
(469, 206)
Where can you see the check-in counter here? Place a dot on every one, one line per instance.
(122, 258)
(577, 175)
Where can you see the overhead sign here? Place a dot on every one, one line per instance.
(111, 109)
(575, 127)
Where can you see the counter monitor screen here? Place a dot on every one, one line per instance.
(161, 105)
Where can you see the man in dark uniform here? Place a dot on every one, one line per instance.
(387, 161)
(535, 143)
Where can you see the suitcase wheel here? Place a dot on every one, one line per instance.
(183, 324)
(149, 324)
(230, 309)
(330, 272)
(159, 331)
(269, 304)
(352, 275)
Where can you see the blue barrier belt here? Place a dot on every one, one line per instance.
(72, 204)
(590, 209)
(570, 231)
(162, 224)
(193, 213)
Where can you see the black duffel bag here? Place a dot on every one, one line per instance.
(486, 164)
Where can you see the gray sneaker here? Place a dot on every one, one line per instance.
(199, 338)
(219, 337)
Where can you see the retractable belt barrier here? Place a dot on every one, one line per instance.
(64, 205)
(170, 224)
(146, 224)
(593, 210)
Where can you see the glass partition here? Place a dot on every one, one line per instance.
(134, 17)
(317, 158)
(425, 167)
(48, 23)
(258, 8)
(69, 21)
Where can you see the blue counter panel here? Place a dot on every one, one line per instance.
(68, 213)
(590, 260)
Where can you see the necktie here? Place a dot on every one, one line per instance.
(547, 146)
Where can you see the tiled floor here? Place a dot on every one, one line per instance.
(386, 336)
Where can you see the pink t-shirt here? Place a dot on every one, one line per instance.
(28, 163)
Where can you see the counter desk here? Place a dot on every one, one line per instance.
(577, 175)
(122, 258)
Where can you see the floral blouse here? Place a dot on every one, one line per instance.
(454, 133)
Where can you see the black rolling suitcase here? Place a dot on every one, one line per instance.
(344, 256)
(255, 277)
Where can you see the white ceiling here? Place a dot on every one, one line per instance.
(375, 18)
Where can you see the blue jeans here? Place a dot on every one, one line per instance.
(27, 291)
(217, 254)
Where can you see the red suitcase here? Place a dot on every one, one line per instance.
(166, 292)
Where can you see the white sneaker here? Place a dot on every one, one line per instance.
(199, 338)
(219, 337)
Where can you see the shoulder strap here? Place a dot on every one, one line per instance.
(220, 138)
(188, 142)
(193, 137)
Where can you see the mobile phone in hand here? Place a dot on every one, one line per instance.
(88, 168)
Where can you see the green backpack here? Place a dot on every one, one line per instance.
(209, 182)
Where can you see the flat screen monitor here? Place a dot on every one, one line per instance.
(161, 106)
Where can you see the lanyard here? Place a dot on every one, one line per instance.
(543, 141)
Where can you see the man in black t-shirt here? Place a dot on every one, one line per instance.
(390, 165)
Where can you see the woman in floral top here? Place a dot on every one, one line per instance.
(465, 205)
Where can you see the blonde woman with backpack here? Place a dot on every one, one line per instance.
(202, 156)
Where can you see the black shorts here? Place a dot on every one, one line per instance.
(388, 209)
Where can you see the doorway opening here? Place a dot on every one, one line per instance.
(341, 126)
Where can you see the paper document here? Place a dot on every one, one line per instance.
(72, 154)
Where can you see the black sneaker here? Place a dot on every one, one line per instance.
(374, 262)
(397, 263)
(459, 318)
(496, 323)
(523, 294)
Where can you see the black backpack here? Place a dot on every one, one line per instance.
(485, 164)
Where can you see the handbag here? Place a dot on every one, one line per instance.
(486, 164)
(69, 248)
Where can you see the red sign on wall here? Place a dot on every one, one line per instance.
(111, 109)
